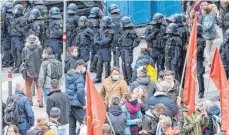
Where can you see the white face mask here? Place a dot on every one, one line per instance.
(83, 70)
(75, 54)
(43, 55)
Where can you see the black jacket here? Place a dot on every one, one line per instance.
(150, 122)
(60, 100)
(118, 119)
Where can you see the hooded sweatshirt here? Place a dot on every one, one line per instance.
(145, 83)
(118, 119)
(149, 122)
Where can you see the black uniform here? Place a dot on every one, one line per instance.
(93, 23)
(6, 37)
(172, 53)
(116, 51)
(83, 41)
(104, 41)
(155, 34)
(127, 42)
(71, 26)
(201, 43)
(224, 52)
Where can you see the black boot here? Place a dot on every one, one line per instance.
(128, 73)
(99, 72)
(107, 69)
(15, 70)
(124, 71)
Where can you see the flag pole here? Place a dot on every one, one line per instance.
(182, 77)
(110, 124)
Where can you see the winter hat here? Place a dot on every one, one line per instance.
(167, 113)
(55, 112)
(32, 40)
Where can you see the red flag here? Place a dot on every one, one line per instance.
(96, 110)
(218, 76)
(191, 71)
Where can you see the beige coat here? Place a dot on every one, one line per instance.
(113, 89)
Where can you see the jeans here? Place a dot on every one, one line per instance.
(76, 115)
(46, 91)
(28, 84)
(23, 132)
(208, 50)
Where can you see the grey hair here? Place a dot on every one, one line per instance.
(208, 105)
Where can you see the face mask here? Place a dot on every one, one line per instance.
(75, 54)
(134, 102)
(43, 56)
(115, 77)
(83, 70)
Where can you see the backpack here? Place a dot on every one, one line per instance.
(36, 131)
(12, 116)
(56, 69)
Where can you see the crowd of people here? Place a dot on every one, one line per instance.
(135, 103)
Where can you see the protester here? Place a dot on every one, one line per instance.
(117, 117)
(12, 130)
(53, 123)
(166, 125)
(72, 58)
(209, 32)
(25, 113)
(224, 51)
(3, 114)
(160, 96)
(106, 130)
(173, 91)
(151, 118)
(143, 82)
(75, 88)
(132, 109)
(224, 17)
(42, 127)
(51, 68)
(31, 63)
(114, 86)
(194, 122)
(213, 111)
(142, 60)
(58, 99)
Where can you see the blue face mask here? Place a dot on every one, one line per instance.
(115, 77)
(134, 102)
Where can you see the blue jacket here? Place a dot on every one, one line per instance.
(163, 99)
(130, 121)
(75, 88)
(209, 30)
(141, 61)
(27, 115)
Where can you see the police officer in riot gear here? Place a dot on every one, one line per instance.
(93, 23)
(84, 39)
(40, 4)
(18, 28)
(71, 23)
(6, 36)
(37, 27)
(184, 34)
(115, 16)
(55, 31)
(201, 43)
(172, 49)
(154, 37)
(224, 52)
(104, 41)
(127, 42)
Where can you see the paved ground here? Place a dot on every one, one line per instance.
(211, 94)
